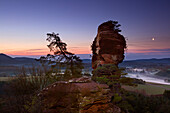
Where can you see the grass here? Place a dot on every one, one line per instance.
(148, 89)
(160, 85)
(5, 78)
(166, 86)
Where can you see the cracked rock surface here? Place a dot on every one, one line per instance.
(77, 97)
(108, 46)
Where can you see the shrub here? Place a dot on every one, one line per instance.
(21, 92)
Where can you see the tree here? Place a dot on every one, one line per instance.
(71, 62)
(115, 25)
(109, 74)
(113, 76)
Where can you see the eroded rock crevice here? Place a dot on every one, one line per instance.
(80, 95)
(109, 45)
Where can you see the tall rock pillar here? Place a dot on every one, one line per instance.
(108, 46)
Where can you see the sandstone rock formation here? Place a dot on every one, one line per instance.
(108, 46)
(80, 95)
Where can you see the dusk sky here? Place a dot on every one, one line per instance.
(25, 23)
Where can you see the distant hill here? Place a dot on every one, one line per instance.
(86, 60)
(9, 65)
(140, 62)
(163, 60)
(7, 60)
(164, 73)
(147, 62)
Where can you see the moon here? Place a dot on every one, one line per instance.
(153, 39)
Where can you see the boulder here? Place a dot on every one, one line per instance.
(79, 95)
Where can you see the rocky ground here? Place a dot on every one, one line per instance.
(78, 95)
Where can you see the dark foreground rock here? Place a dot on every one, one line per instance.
(80, 95)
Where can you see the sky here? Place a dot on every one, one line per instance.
(25, 23)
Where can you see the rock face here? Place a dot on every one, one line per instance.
(80, 95)
(108, 46)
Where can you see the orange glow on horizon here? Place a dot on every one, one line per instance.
(43, 52)
(75, 51)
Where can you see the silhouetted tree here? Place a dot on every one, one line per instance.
(61, 56)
